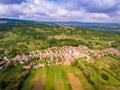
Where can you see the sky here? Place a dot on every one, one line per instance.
(62, 10)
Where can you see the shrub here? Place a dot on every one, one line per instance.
(3, 84)
(105, 77)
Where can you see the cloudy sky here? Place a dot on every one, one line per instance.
(62, 10)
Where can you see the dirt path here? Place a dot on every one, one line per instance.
(74, 82)
(39, 82)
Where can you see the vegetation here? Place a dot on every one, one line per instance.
(24, 37)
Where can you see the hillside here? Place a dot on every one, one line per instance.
(37, 56)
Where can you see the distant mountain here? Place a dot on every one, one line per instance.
(8, 20)
(91, 25)
(84, 24)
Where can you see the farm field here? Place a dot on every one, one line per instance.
(80, 75)
(57, 78)
(74, 77)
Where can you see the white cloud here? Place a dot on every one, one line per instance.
(44, 10)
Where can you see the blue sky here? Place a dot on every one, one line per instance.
(62, 10)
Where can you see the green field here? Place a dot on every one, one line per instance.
(69, 77)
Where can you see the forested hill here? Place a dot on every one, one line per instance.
(27, 36)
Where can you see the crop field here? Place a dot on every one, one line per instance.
(78, 76)
(81, 75)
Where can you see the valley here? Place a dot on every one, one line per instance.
(37, 56)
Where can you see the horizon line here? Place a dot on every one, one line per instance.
(56, 20)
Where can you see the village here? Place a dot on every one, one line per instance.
(64, 55)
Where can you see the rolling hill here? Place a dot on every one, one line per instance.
(39, 56)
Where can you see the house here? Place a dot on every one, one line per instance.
(6, 53)
(39, 66)
(100, 67)
(59, 63)
(5, 58)
(17, 58)
(37, 51)
(26, 67)
(24, 57)
(1, 49)
(21, 62)
(1, 62)
(67, 63)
